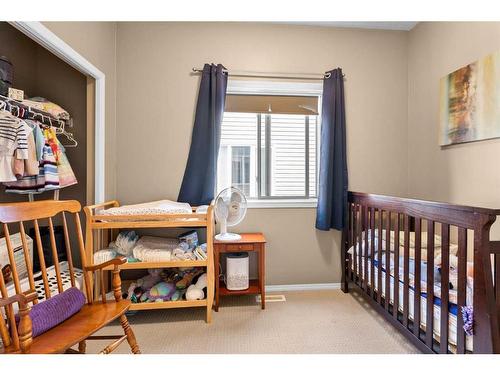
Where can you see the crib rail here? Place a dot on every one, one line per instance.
(403, 254)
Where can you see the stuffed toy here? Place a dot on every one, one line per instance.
(195, 291)
(151, 279)
(179, 293)
(160, 292)
(134, 293)
(187, 278)
(171, 275)
(141, 287)
(130, 291)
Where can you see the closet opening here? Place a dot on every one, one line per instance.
(56, 100)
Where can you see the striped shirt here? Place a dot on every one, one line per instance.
(13, 143)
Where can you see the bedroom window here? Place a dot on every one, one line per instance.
(269, 145)
(240, 168)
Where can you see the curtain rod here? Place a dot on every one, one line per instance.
(305, 76)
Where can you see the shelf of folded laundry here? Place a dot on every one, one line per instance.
(174, 263)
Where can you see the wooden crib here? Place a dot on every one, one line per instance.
(399, 276)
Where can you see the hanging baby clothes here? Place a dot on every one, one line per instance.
(29, 166)
(32, 160)
(51, 140)
(65, 172)
(66, 175)
(13, 145)
(46, 180)
(39, 137)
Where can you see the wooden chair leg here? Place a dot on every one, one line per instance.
(130, 335)
(82, 346)
(111, 347)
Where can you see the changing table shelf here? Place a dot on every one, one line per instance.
(101, 228)
(172, 264)
(167, 305)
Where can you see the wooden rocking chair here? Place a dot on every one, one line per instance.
(17, 338)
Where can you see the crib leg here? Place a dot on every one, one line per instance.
(344, 282)
(344, 285)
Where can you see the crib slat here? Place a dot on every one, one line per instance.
(462, 287)
(372, 252)
(69, 255)
(12, 260)
(55, 258)
(497, 277)
(41, 258)
(406, 273)
(27, 259)
(445, 286)
(353, 220)
(417, 278)
(356, 243)
(395, 305)
(359, 239)
(365, 267)
(379, 257)
(388, 261)
(350, 242)
(429, 322)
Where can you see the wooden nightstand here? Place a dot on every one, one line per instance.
(249, 242)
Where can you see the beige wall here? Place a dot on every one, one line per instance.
(464, 174)
(96, 41)
(156, 97)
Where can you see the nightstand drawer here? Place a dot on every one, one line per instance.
(240, 247)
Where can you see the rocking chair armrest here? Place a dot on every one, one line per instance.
(24, 326)
(22, 298)
(117, 262)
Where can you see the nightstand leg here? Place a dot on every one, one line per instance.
(262, 275)
(217, 278)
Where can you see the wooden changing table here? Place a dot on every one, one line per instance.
(100, 229)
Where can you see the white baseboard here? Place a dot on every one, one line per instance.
(302, 287)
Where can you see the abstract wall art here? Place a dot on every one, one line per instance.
(470, 102)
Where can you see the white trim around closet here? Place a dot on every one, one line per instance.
(47, 39)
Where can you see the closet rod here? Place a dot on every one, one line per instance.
(305, 76)
(33, 112)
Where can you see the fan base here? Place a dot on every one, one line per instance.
(227, 237)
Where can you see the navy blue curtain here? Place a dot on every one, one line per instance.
(198, 184)
(332, 192)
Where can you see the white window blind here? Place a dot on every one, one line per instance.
(286, 165)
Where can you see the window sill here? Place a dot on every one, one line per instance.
(282, 203)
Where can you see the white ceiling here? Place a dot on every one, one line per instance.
(406, 26)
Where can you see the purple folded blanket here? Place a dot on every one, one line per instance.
(49, 313)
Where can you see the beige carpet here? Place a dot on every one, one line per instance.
(308, 322)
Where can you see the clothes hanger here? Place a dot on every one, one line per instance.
(69, 136)
(60, 128)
